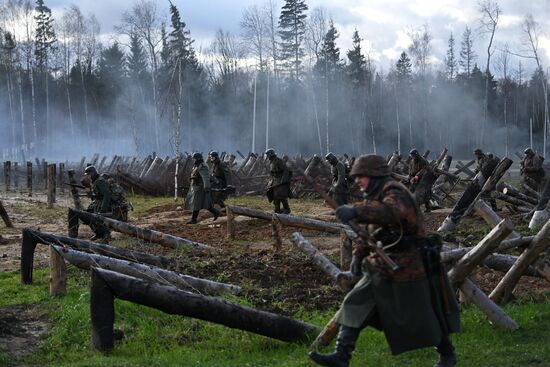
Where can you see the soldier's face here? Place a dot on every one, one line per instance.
(362, 182)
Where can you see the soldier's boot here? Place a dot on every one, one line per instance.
(215, 212)
(277, 206)
(194, 217)
(286, 207)
(345, 344)
(447, 356)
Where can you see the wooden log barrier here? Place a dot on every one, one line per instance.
(230, 223)
(343, 279)
(146, 234)
(503, 291)
(58, 274)
(74, 189)
(490, 216)
(61, 178)
(51, 185)
(31, 237)
(154, 274)
(106, 285)
(346, 251)
(7, 175)
(275, 233)
(16, 175)
(5, 216)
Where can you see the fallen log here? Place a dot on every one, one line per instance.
(509, 190)
(154, 274)
(343, 279)
(106, 285)
(292, 220)
(150, 235)
(511, 200)
(490, 216)
(473, 258)
(503, 291)
(494, 313)
(499, 262)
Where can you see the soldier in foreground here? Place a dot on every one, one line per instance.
(339, 189)
(199, 197)
(278, 189)
(531, 169)
(415, 305)
(220, 176)
(101, 202)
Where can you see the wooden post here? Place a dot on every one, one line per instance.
(45, 173)
(61, 180)
(58, 274)
(490, 216)
(74, 190)
(51, 185)
(7, 175)
(503, 291)
(230, 223)
(29, 177)
(5, 216)
(275, 225)
(345, 251)
(16, 175)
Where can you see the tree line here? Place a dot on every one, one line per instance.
(282, 82)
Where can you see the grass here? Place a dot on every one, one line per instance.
(157, 339)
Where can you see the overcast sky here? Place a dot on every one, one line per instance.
(383, 24)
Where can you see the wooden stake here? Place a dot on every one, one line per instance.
(275, 224)
(5, 216)
(29, 178)
(51, 185)
(345, 251)
(230, 223)
(58, 274)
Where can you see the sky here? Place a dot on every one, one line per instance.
(383, 24)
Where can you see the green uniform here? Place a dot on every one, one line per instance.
(199, 196)
(531, 167)
(339, 189)
(101, 195)
(410, 306)
(280, 179)
(220, 177)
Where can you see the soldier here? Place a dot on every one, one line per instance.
(101, 202)
(532, 170)
(418, 166)
(199, 196)
(220, 176)
(415, 305)
(339, 189)
(278, 189)
(485, 164)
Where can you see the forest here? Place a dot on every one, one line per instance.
(283, 82)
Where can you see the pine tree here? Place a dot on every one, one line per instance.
(329, 62)
(403, 68)
(467, 53)
(179, 43)
(451, 63)
(136, 61)
(45, 34)
(357, 63)
(292, 27)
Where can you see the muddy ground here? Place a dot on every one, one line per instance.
(284, 281)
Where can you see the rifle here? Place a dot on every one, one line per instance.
(76, 185)
(363, 237)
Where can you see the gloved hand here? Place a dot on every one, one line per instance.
(355, 266)
(345, 213)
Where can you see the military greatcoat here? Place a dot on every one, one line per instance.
(199, 196)
(411, 306)
(339, 188)
(279, 185)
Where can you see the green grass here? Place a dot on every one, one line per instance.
(142, 203)
(157, 339)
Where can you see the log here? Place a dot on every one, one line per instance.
(441, 157)
(51, 185)
(175, 301)
(7, 175)
(499, 262)
(342, 279)
(32, 237)
(494, 313)
(346, 250)
(490, 216)
(509, 190)
(277, 241)
(503, 291)
(29, 178)
(464, 168)
(543, 269)
(61, 181)
(511, 200)
(135, 231)
(541, 214)
(5, 216)
(292, 221)
(474, 257)
(530, 192)
(230, 223)
(74, 190)
(154, 274)
(15, 175)
(58, 274)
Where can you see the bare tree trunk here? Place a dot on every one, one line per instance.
(35, 130)
(21, 109)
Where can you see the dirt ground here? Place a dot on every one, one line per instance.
(283, 281)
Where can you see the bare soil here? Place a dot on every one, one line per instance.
(21, 329)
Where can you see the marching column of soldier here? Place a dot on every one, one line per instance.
(413, 305)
